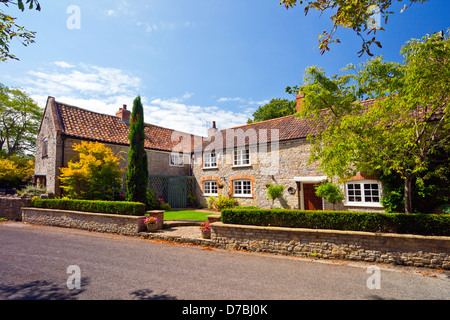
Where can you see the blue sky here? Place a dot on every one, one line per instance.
(192, 62)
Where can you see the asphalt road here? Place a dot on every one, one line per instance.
(43, 262)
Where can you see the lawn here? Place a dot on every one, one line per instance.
(186, 215)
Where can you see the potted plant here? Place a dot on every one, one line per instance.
(205, 228)
(150, 222)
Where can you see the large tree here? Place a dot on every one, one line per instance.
(137, 170)
(357, 15)
(401, 132)
(19, 121)
(10, 30)
(274, 109)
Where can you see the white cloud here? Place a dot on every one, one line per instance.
(105, 90)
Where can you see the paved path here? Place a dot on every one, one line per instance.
(34, 261)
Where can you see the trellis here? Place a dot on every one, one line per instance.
(173, 189)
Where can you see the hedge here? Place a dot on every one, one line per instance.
(109, 207)
(419, 224)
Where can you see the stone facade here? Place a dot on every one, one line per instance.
(410, 250)
(290, 161)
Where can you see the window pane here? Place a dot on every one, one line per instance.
(357, 186)
(350, 186)
(358, 199)
(374, 186)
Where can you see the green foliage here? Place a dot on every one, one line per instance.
(15, 172)
(420, 224)
(20, 118)
(33, 190)
(275, 192)
(221, 202)
(109, 207)
(10, 30)
(152, 202)
(137, 170)
(330, 191)
(96, 174)
(350, 14)
(276, 108)
(445, 209)
(400, 132)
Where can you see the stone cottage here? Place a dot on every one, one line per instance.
(239, 162)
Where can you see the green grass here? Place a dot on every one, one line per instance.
(186, 215)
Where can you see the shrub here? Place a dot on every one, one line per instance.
(152, 202)
(33, 190)
(421, 224)
(330, 191)
(110, 207)
(224, 202)
(211, 202)
(96, 174)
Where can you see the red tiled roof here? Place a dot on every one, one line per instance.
(84, 124)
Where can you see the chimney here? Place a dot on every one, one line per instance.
(299, 99)
(123, 113)
(213, 130)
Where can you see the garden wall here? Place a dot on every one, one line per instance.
(110, 223)
(411, 250)
(11, 207)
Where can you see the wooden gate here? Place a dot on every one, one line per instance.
(172, 189)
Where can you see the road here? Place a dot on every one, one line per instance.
(39, 262)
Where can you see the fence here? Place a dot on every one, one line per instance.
(173, 189)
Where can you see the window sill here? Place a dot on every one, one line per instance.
(209, 168)
(241, 166)
(210, 195)
(363, 204)
(242, 196)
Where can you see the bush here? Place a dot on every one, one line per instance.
(110, 207)
(33, 190)
(421, 224)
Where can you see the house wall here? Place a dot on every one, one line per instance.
(48, 164)
(60, 152)
(280, 169)
(268, 168)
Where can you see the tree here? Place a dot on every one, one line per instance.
(9, 29)
(15, 172)
(330, 191)
(94, 176)
(19, 121)
(274, 109)
(274, 192)
(137, 170)
(400, 132)
(354, 14)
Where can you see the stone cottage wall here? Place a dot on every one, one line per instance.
(293, 159)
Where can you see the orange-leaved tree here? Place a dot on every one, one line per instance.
(95, 175)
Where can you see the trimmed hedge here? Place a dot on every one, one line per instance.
(419, 224)
(109, 207)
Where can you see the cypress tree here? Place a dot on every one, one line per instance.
(137, 170)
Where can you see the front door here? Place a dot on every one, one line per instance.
(310, 200)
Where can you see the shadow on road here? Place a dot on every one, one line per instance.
(147, 294)
(40, 290)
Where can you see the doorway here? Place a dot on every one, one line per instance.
(310, 200)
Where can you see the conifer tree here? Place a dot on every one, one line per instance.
(137, 170)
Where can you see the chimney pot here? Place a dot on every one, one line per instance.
(213, 130)
(214, 125)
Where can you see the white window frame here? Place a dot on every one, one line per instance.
(351, 192)
(238, 184)
(209, 162)
(176, 159)
(209, 188)
(241, 157)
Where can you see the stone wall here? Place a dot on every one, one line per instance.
(110, 223)
(11, 207)
(267, 167)
(410, 250)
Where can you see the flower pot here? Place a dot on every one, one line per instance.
(152, 227)
(206, 234)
